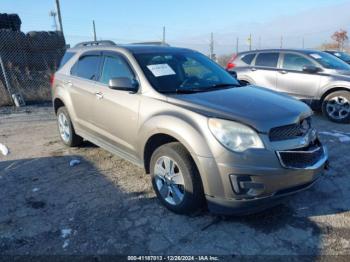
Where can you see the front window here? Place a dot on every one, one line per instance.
(185, 72)
(343, 56)
(113, 67)
(295, 62)
(329, 61)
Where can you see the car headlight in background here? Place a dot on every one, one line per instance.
(234, 136)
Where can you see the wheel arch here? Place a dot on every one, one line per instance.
(57, 103)
(332, 90)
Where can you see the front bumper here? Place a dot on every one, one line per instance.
(244, 189)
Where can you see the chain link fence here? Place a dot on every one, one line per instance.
(27, 61)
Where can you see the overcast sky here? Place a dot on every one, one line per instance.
(189, 23)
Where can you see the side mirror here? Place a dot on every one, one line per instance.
(232, 73)
(311, 69)
(123, 84)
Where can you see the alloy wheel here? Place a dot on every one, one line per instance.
(169, 180)
(338, 107)
(64, 128)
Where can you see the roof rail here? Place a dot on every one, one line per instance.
(96, 43)
(151, 43)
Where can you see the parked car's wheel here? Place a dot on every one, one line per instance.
(66, 129)
(336, 106)
(176, 180)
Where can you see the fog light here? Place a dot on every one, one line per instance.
(243, 185)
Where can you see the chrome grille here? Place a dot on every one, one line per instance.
(290, 131)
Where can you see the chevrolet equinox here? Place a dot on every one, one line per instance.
(205, 140)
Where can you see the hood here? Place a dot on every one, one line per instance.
(257, 107)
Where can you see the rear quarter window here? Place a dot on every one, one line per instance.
(87, 67)
(267, 59)
(248, 58)
(67, 56)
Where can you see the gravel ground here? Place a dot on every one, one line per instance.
(106, 205)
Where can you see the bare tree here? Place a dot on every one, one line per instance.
(223, 60)
(340, 37)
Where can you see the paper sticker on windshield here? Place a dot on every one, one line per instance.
(316, 56)
(161, 70)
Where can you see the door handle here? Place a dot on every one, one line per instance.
(283, 72)
(99, 95)
(253, 69)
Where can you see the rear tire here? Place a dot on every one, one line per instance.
(178, 187)
(66, 129)
(336, 106)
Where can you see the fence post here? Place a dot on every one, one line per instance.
(16, 98)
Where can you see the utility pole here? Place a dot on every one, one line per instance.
(259, 42)
(281, 45)
(58, 8)
(53, 14)
(250, 42)
(94, 29)
(237, 40)
(211, 46)
(163, 41)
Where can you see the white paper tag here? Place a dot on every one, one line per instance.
(316, 56)
(161, 70)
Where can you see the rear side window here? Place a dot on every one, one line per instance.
(248, 58)
(87, 67)
(67, 56)
(267, 59)
(114, 67)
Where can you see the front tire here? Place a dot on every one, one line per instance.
(336, 106)
(66, 129)
(176, 180)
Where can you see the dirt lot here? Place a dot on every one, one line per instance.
(106, 205)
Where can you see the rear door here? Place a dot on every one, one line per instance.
(83, 88)
(293, 81)
(264, 69)
(116, 112)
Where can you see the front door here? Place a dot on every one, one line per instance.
(116, 112)
(293, 81)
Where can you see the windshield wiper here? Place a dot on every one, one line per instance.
(188, 90)
(224, 85)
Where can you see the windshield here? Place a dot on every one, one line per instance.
(329, 61)
(184, 72)
(343, 56)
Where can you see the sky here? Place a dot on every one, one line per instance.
(190, 23)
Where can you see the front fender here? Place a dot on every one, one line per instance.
(185, 130)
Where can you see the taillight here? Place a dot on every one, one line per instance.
(52, 79)
(230, 63)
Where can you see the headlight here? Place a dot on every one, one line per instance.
(234, 136)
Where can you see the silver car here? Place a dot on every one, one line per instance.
(318, 78)
(204, 139)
